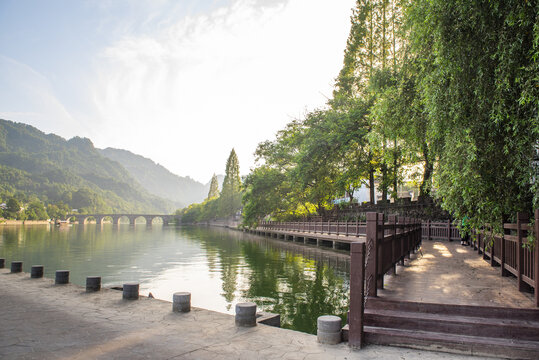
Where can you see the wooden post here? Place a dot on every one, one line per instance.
(329, 227)
(357, 277)
(449, 230)
(536, 258)
(522, 218)
(428, 230)
(357, 227)
(380, 251)
(392, 220)
(371, 273)
(347, 227)
(408, 240)
(492, 261)
(502, 250)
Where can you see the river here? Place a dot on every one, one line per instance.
(220, 267)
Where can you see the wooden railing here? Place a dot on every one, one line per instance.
(445, 230)
(387, 243)
(512, 252)
(347, 228)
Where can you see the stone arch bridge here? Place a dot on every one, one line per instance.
(99, 218)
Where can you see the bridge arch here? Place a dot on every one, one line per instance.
(134, 219)
(122, 219)
(156, 220)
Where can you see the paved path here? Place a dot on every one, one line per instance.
(39, 320)
(449, 273)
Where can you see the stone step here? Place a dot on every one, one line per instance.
(453, 343)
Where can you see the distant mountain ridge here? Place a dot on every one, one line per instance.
(157, 180)
(72, 171)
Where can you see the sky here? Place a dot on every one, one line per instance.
(181, 82)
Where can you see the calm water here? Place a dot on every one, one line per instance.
(219, 267)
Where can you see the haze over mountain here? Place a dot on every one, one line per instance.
(157, 180)
(34, 164)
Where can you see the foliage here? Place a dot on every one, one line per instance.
(215, 206)
(446, 88)
(13, 209)
(230, 198)
(476, 85)
(214, 188)
(36, 211)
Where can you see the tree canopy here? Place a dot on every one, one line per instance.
(443, 91)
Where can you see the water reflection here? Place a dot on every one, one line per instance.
(218, 266)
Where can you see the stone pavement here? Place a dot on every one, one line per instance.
(449, 273)
(39, 320)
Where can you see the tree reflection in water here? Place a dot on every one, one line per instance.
(298, 282)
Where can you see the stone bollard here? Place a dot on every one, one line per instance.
(329, 329)
(181, 302)
(93, 283)
(62, 277)
(2, 263)
(246, 314)
(16, 266)
(36, 272)
(130, 291)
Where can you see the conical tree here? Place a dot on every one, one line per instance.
(214, 188)
(230, 200)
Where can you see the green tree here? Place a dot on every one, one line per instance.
(480, 59)
(230, 199)
(36, 211)
(266, 194)
(214, 188)
(13, 209)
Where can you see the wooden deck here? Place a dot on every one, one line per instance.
(449, 273)
(341, 242)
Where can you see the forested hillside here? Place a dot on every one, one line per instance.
(158, 180)
(39, 167)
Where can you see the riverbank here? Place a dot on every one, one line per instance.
(23, 222)
(43, 321)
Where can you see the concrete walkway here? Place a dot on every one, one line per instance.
(449, 273)
(39, 320)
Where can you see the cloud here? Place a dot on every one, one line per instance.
(187, 92)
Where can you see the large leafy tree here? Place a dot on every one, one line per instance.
(36, 211)
(266, 193)
(476, 85)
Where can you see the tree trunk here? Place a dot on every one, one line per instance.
(424, 188)
(384, 182)
(371, 184)
(395, 170)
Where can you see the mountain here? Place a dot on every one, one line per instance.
(35, 164)
(157, 180)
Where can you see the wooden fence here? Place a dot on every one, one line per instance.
(381, 251)
(430, 230)
(387, 243)
(442, 230)
(512, 252)
(347, 228)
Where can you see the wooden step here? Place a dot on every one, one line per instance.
(454, 324)
(452, 343)
(450, 309)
